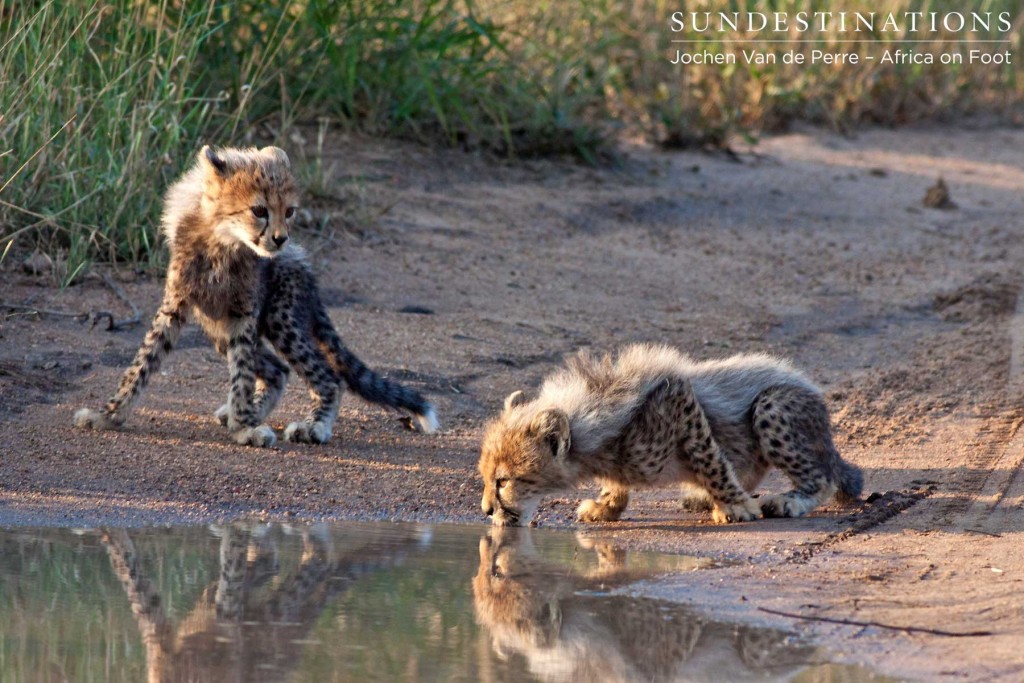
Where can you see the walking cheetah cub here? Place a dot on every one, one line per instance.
(226, 222)
(651, 416)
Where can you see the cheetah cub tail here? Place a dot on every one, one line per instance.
(371, 386)
(850, 481)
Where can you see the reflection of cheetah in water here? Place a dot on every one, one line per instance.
(651, 416)
(251, 623)
(567, 628)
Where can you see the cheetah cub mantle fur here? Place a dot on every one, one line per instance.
(231, 267)
(651, 416)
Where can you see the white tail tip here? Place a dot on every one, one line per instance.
(86, 418)
(427, 421)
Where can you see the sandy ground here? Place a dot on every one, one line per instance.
(812, 246)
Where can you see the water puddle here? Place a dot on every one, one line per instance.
(358, 602)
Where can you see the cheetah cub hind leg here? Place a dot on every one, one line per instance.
(792, 427)
(318, 427)
(790, 504)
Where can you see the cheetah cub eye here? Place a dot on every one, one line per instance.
(260, 211)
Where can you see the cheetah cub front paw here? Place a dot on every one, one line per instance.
(745, 511)
(307, 432)
(234, 426)
(258, 437)
(592, 511)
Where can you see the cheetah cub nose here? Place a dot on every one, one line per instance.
(280, 239)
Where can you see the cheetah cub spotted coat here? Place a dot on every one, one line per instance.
(651, 416)
(232, 268)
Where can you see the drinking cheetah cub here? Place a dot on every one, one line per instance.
(652, 416)
(226, 222)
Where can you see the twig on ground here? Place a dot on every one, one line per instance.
(854, 622)
(984, 533)
(94, 317)
(112, 323)
(80, 317)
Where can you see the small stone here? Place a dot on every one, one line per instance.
(937, 197)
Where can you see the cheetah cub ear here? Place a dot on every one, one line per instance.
(213, 161)
(515, 399)
(553, 427)
(277, 154)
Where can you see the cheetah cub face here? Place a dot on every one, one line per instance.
(524, 456)
(250, 195)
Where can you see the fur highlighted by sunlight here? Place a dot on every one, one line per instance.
(651, 416)
(234, 270)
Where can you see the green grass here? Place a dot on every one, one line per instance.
(101, 104)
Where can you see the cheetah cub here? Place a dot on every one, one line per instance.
(651, 416)
(231, 267)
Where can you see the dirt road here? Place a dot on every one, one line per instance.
(812, 246)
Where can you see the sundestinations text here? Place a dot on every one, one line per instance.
(840, 22)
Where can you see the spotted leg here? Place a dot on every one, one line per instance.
(792, 428)
(325, 390)
(271, 379)
(308, 359)
(711, 469)
(607, 507)
(159, 341)
(244, 420)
